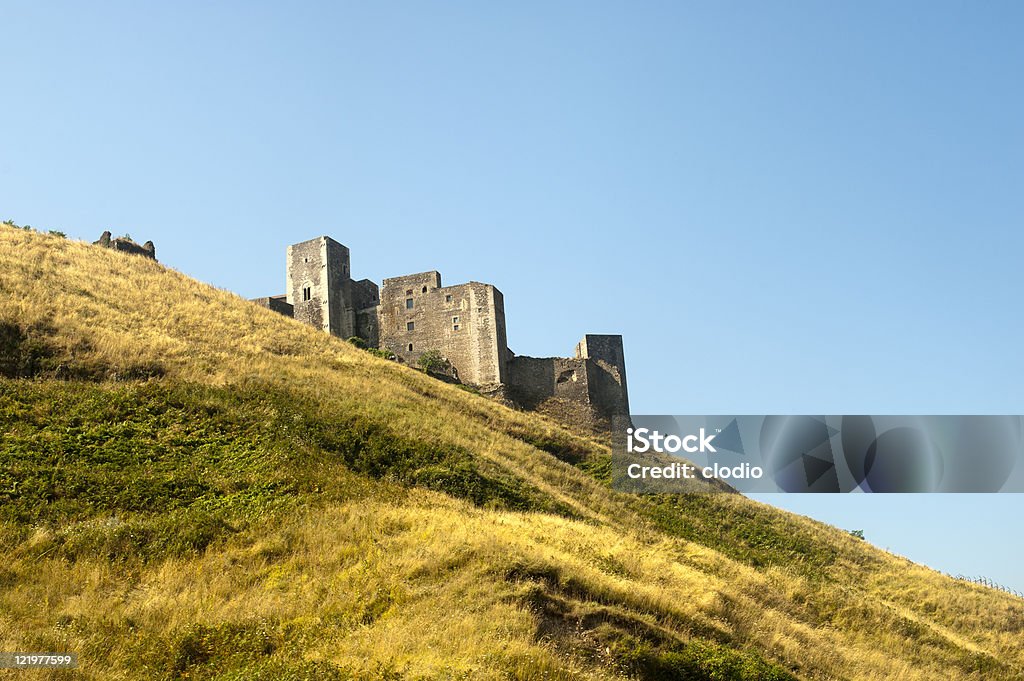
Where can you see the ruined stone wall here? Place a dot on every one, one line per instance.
(278, 304)
(367, 327)
(533, 380)
(364, 294)
(126, 245)
(464, 323)
(606, 388)
(594, 380)
(606, 368)
(361, 299)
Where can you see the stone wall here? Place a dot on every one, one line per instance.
(278, 304)
(590, 379)
(364, 294)
(367, 327)
(606, 368)
(341, 315)
(126, 245)
(533, 380)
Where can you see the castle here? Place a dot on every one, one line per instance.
(465, 324)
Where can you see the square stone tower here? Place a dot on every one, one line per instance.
(317, 271)
(465, 323)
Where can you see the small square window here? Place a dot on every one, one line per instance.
(448, 298)
(455, 327)
(455, 320)
(408, 292)
(408, 303)
(410, 326)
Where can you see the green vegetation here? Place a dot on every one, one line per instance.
(433, 362)
(358, 342)
(376, 352)
(29, 227)
(194, 487)
(169, 468)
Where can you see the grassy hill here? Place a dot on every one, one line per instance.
(195, 487)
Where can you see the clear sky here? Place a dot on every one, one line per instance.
(788, 207)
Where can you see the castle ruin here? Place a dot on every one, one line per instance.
(126, 245)
(465, 324)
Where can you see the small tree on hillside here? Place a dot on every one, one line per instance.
(433, 362)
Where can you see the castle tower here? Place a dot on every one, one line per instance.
(317, 272)
(465, 323)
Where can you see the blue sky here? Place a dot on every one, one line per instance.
(787, 207)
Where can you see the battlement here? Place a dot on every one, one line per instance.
(465, 323)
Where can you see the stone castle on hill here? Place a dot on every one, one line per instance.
(464, 324)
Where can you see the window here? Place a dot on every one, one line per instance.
(455, 323)
(307, 293)
(408, 292)
(408, 303)
(455, 327)
(410, 326)
(424, 289)
(448, 298)
(410, 347)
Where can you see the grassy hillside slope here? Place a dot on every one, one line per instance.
(195, 487)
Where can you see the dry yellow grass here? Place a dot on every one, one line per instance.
(428, 586)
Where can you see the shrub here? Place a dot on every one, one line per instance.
(376, 352)
(24, 352)
(433, 362)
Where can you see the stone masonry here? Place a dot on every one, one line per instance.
(465, 324)
(126, 245)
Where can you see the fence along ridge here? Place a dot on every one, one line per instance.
(985, 581)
